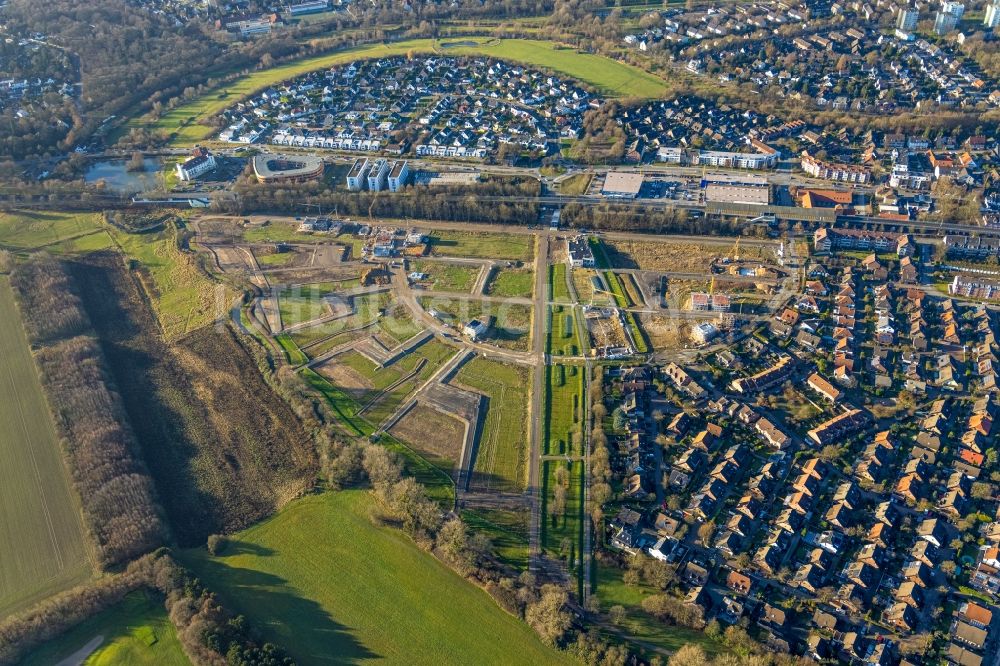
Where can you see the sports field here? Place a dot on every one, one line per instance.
(610, 77)
(136, 632)
(324, 582)
(42, 547)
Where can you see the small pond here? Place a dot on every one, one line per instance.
(118, 178)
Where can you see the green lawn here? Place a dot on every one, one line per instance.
(610, 77)
(621, 296)
(322, 581)
(442, 276)
(502, 453)
(507, 531)
(482, 245)
(563, 409)
(29, 230)
(135, 632)
(42, 545)
(558, 287)
(511, 282)
(303, 302)
(563, 336)
(576, 184)
(612, 591)
(641, 345)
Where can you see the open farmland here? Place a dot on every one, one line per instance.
(136, 632)
(501, 455)
(564, 410)
(185, 124)
(30, 230)
(42, 546)
(482, 245)
(217, 464)
(324, 582)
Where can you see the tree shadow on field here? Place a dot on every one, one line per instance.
(154, 391)
(236, 547)
(300, 626)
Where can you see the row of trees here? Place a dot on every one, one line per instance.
(209, 634)
(452, 203)
(122, 517)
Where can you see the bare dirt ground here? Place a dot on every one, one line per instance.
(431, 432)
(345, 378)
(666, 332)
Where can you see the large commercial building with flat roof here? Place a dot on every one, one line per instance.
(621, 185)
(739, 193)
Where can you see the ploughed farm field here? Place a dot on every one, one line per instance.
(322, 580)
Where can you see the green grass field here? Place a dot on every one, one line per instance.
(610, 77)
(558, 287)
(612, 591)
(563, 336)
(387, 388)
(618, 291)
(42, 546)
(136, 632)
(442, 276)
(641, 344)
(502, 454)
(318, 339)
(184, 296)
(437, 481)
(576, 184)
(511, 282)
(322, 581)
(61, 232)
(562, 531)
(482, 245)
(298, 303)
(563, 410)
(507, 531)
